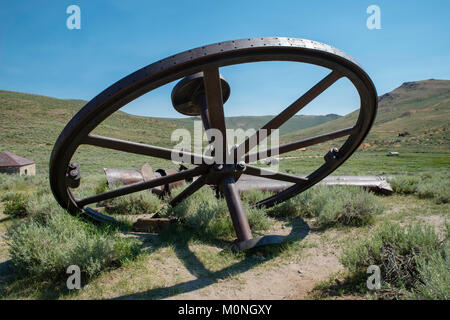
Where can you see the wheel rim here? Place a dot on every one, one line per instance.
(212, 57)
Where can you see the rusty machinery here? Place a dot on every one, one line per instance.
(202, 90)
(115, 177)
(376, 184)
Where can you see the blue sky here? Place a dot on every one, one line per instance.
(39, 54)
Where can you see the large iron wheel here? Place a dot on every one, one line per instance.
(200, 66)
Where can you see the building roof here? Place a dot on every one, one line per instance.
(8, 159)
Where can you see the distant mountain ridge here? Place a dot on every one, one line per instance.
(421, 109)
(297, 122)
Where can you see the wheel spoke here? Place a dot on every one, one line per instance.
(260, 172)
(237, 213)
(288, 113)
(213, 92)
(142, 186)
(193, 187)
(144, 149)
(299, 144)
(205, 118)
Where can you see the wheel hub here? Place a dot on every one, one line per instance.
(188, 96)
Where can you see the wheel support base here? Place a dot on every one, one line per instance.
(259, 242)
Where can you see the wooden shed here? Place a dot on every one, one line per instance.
(11, 163)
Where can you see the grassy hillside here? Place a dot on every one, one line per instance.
(420, 108)
(30, 125)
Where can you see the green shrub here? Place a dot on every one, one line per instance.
(434, 273)
(330, 205)
(190, 205)
(253, 196)
(338, 205)
(288, 209)
(41, 207)
(314, 199)
(405, 184)
(207, 216)
(404, 255)
(424, 186)
(354, 209)
(17, 205)
(7, 196)
(434, 190)
(43, 190)
(38, 206)
(257, 218)
(406, 240)
(20, 182)
(442, 195)
(134, 204)
(46, 250)
(7, 181)
(102, 186)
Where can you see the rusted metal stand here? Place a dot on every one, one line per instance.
(189, 97)
(202, 91)
(237, 212)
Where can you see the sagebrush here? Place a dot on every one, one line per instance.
(46, 250)
(412, 259)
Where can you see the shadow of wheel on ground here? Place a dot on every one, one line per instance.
(205, 277)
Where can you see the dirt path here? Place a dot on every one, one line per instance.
(198, 272)
(288, 278)
(291, 281)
